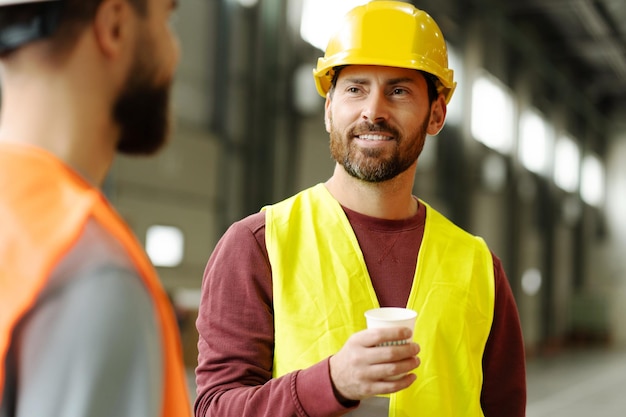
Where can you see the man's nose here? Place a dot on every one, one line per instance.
(375, 108)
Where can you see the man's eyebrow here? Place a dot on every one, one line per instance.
(401, 80)
(355, 80)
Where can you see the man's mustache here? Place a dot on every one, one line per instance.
(367, 127)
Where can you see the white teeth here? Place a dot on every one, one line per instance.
(372, 137)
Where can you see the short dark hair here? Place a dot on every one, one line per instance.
(431, 82)
(57, 20)
(334, 75)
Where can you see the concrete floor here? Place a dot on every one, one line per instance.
(578, 383)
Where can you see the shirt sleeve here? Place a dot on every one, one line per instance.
(504, 363)
(236, 338)
(89, 348)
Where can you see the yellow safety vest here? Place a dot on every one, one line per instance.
(321, 289)
(44, 207)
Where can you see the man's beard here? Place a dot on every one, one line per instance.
(142, 110)
(369, 164)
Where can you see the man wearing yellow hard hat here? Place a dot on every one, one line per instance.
(281, 322)
(85, 327)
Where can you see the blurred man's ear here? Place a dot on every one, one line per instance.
(111, 26)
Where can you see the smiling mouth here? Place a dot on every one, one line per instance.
(373, 137)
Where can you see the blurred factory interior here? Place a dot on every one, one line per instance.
(529, 158)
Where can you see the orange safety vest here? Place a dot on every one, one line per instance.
(44, 207)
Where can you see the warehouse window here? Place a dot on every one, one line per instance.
(535, 142)
(327, 12)
(567, 164)
(165, 245)
(492, 114)
(592, 181)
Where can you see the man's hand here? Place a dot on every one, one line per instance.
(362, 368)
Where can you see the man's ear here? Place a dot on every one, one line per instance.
(327, 113)
(438, 110)
(112, 26)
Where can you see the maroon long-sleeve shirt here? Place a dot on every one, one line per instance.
(236, 326)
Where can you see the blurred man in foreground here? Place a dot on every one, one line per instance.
(85, 327)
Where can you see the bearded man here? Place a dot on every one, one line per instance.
(86, 328)
(281, 319)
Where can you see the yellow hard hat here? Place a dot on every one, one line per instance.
(387, 33)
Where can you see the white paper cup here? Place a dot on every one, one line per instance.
(391, 317)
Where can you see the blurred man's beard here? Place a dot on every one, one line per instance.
(369, 164)
(142, 110)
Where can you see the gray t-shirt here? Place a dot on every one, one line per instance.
(90, 346)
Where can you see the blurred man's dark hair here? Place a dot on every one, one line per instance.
(59, 20)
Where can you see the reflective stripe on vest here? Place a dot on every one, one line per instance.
(321, 288)
(44, 207)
